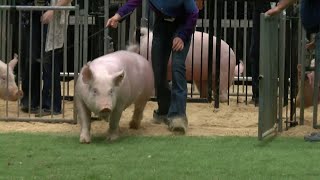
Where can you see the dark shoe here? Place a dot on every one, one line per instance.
(46, 112)
(313, 137)
(254, 101)
(33, 110)
(159, 118)
(179, 124)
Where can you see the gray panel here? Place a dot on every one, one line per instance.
(269, 54)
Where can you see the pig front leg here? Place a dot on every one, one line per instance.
(84, 115)
(137, 115)
(113, 132)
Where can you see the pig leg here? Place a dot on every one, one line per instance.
(223, 96)
(137, 115)
(113, 132)
(84, 116)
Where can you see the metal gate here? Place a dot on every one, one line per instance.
(271, 78)
(8, 13)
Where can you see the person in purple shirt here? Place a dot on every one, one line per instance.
(173, 27)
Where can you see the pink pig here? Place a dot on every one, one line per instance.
(10, 92)
(196, 53)
(308, 87)
(108, 85)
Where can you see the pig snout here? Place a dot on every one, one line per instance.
(105, 110)
(13, 95)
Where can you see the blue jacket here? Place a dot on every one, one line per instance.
(310, 15)
(185, 10)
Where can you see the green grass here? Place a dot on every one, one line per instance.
(47, 156)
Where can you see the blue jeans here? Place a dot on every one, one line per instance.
(171, 102)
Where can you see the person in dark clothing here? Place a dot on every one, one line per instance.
(259, 7)
(31, 63)
(174, 24)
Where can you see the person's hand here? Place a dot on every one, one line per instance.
(311, 45)
(177, 44)
(113, 21)
(273, 11)
(47, 17)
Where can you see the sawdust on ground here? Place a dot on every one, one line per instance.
(235, 119)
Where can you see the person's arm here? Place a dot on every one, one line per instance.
(129, 7)
(122, 11)
(47, 17)
(185, 30)
(283, 4)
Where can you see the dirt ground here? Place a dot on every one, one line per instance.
(236, 119)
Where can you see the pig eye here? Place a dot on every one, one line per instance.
(95, 91)
(3, 78)
(111, 91)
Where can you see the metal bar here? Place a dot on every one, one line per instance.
(52, 66)
(210, 52)
(76, 55)
(19, 55)
(218, 55)
(85, 32)
(245, 47)
(106, 30)
(41, 64)
(267, 133)
(282, 46)
(65, 64)
(36, 8)
(44, 120)
(225, 23)
(303, 65)
(30, 62)
(7, 47)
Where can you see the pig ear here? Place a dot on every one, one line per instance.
(118, 77)
(86, 74)
(299, 67)
(13, 62)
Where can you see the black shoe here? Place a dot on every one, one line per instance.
(256, 102)
(33, 110)
(46, 112)
(159, 118)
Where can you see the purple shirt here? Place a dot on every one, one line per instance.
(185, 10)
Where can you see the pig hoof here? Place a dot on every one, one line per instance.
(112, 137)
(134, 125)
(85, 139)
(223, 99)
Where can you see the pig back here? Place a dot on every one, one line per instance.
(138, 82)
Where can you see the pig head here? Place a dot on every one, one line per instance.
(8, 87)
(308, 88)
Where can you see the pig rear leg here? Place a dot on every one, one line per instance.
(84, 115)
(223, 96)
(113, 132)
(137, 115)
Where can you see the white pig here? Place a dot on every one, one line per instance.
(108, 85)
(308, 87)
(196, 63)
(8, 87)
